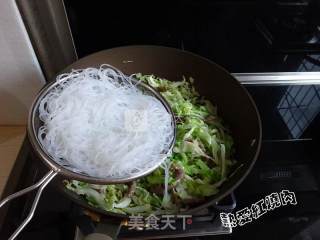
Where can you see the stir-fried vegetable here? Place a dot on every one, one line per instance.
(200, 162)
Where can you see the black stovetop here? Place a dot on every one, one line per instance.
(240, 35)
(288, 160)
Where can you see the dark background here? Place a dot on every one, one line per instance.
(242, 36)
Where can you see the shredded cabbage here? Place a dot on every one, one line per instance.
(201, 160)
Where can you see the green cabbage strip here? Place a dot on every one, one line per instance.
(200, 163)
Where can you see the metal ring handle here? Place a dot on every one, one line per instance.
(42, 183)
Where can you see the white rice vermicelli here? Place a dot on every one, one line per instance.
(98, 122)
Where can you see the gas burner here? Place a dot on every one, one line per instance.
(204, 223)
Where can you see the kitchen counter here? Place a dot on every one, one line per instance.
(11, 139)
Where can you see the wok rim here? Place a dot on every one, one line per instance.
(213, 199)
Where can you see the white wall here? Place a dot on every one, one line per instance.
(20, 73)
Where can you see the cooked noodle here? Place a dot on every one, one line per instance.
(100, 122)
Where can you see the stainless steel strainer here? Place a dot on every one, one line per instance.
(34, 123)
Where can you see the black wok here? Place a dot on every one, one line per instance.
(234, 103)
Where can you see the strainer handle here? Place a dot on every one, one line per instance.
(41, 184)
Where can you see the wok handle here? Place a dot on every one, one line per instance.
(41, 184)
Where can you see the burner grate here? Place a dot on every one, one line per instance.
(205, 222)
